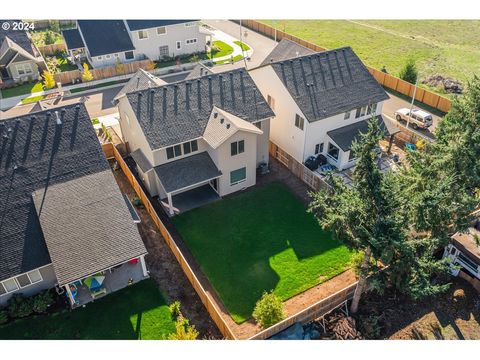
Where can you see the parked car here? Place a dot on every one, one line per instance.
(314, 161)
(418, 119)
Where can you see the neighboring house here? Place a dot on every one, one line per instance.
(198, 71)
(322, 101)
(105, 42)
(463, 252)
(20, 60)
(141, 80)
(63, 217)
(198, 139)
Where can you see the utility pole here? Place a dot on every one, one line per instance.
(411, 105)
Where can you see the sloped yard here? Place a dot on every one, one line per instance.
(137, 312)
(260, 240)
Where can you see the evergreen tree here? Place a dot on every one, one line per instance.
(409, 72)
(87, 74)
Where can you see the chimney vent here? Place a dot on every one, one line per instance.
(57, 118)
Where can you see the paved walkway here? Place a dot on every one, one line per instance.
(261, 45)
(230, 40)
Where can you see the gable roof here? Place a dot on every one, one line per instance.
(147, 24)
(37, 153)
(329, 83)
(346, 135)
(10, 51)
(103, 234)
(20, 38)
(105, 36)
(284, 50)
(465, 242)
(198, 71)
(73, 39)
(191, 170)
(178, 112)
(141, 80)
(222, 125)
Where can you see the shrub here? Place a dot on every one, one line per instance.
(19, 306)
(87, 74)
(42, 301)
(49, 37)
(3, 317)
(268, 310)
(48, 80)
(175, 309)
(183, 330)
(136, 201)
(409, 72)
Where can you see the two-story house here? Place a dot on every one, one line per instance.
(197, 137)
(20, 60)
(322, 101)
(106, 42)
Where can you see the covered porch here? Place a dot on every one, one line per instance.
(188, 183)
(94, 286)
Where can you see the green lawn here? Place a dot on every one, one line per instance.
(223, 49)
(446, 47)
(29, 100)
(22, 89)
(243, 46)
(235, 58)
(137, 312)
(260, 240)
(38, 37)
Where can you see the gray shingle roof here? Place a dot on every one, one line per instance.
(147, 24)
(178, 174)
(346, 135)
(329, 83)
(19, 37)
(141, 80)
(284, 50)
(102, 234)
(105, 36)
(177, 115)
(44, 154)
(141, 160)
(198, 71)
(73, 39)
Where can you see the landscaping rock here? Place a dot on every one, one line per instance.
(449, 85)
(294, 332)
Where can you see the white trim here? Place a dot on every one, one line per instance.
(144, 267)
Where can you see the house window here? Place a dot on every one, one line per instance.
(2, 290)
(170, 153)
(351, 156)
(179, 45)
(238, 176)
(237, 147)
(190, 146)
(164, 51)
(177, 149)
(108, 56)
(116, 55)
(99, 57)
(361, 112)
(23, 280)
(299, 121)
(318, 148)
(346, 116)
(162, 30)
(258, 125)
(271, 102)
(24, 69)
(10, 285)
(142, 34)
(35, 276)
(333, 151)
(188, 24)
(372, 109)
(129, 55)
(190, 41)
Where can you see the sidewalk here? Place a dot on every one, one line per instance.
(230, 40)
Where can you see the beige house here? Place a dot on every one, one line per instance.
(322, 101)
(20, 60)
(197, 140)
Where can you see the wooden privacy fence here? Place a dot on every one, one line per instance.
(389, 81)
(205, 297)
(69, 77)
(312, 312)
(298, 169)
(49, 50)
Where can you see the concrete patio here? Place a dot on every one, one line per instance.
(191, 199)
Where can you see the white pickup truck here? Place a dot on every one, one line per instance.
(418, 119)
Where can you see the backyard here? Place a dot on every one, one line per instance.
(264, 239)
(137, 312)
(449, 48)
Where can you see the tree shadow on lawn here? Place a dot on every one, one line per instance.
(260, 240)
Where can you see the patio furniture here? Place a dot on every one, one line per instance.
(325, 168)
(98, 292)
(410, 146)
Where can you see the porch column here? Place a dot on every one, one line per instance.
(144, 267)
(70, 296)
(170, 204)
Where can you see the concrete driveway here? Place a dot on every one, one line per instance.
(260, 44)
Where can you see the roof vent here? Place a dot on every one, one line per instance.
(222, 120)
(215, 114)
(57, 118)
(228, 126)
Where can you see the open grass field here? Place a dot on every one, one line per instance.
(445, 47)
(260, 240)
(137, 312)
